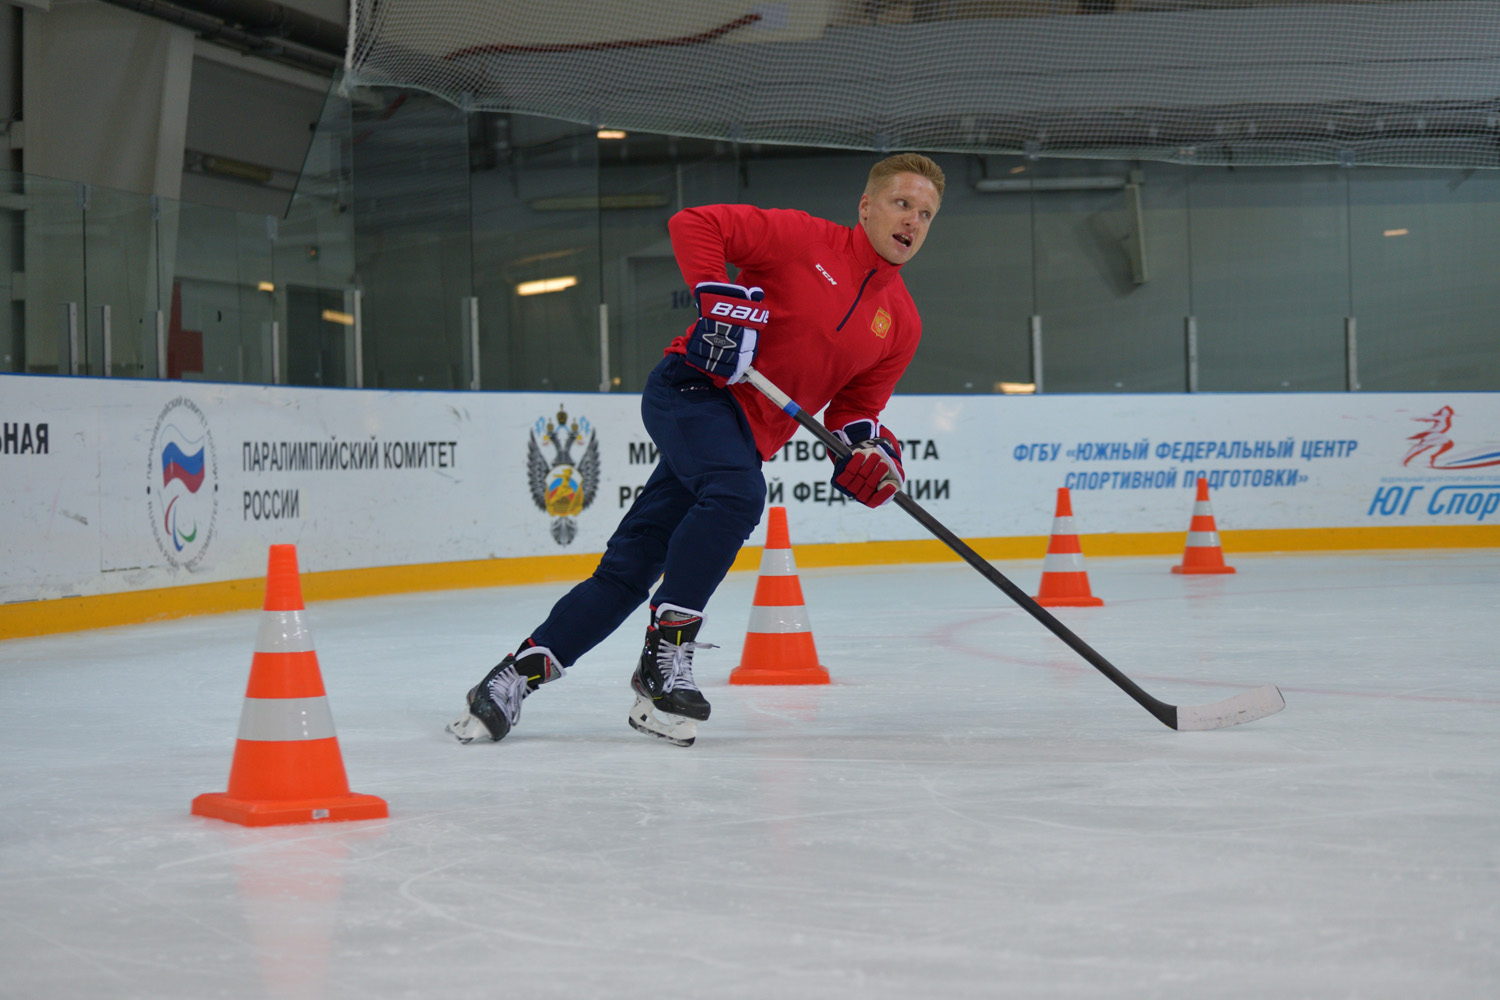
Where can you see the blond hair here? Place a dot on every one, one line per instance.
(905, 163)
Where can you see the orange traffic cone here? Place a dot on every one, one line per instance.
(1202, 554)
(779, 643)
(1065, 582)
(287, 767)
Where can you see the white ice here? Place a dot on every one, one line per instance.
(969, 810)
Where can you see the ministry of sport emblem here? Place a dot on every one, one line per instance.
(182, 483)
(563, 486)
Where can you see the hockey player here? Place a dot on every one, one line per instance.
(822, 311)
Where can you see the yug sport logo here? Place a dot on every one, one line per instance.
(182, 488)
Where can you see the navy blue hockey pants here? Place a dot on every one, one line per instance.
(693, 515)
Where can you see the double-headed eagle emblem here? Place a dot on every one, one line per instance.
(563, 486)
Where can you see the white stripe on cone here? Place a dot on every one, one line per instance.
(777, 562)
(283, 632)
(1063, 525)
(1063, 562)
(1203, 539)
(778, 619)
(276, 720)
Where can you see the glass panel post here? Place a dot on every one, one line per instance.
(470, 320)
(1036, 353)
(161, 343)
(275, 352)
(1351, 355)
(1190, 346)
(107, 334)
(67, 341)
(356, 343)
(604, 347)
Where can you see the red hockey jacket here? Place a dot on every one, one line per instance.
(843, 327)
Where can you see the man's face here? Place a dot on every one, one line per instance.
(896, 216)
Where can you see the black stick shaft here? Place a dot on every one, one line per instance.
(1164, 712)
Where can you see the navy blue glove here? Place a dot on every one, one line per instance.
(872, 472)
(730, 319)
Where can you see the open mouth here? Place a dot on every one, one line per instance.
(903, 239)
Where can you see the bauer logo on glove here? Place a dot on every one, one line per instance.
(723, 341)
(871, 473)
(742, 314)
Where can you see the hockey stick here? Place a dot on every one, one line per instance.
(1245, 707)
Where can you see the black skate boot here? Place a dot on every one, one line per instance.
(668, 705)
(494, 704)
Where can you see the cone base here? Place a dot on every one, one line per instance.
(1202, 569)
(816, 674)
(1071, 602)
(282, 812)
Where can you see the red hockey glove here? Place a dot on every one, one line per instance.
(730, 318)
(872, 472)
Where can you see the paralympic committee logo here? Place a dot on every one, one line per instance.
(563, 486)
(182, 490)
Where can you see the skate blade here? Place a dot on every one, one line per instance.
(466, 729)
(677, 730)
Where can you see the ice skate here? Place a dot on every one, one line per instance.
(668, 705)
(494, 704)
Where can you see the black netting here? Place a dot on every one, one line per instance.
(1413, 83)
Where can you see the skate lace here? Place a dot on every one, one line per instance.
(675, 662)
(507, 691)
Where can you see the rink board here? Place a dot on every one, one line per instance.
(119, 487)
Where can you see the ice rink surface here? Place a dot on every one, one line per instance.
(969, 810)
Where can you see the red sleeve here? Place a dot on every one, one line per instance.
(706, 237)
(864, 396)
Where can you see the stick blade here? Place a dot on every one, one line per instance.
(1242, 708)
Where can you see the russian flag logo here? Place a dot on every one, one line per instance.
(183, 503)
(178, 464)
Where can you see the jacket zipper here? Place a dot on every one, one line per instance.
(857, 297)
